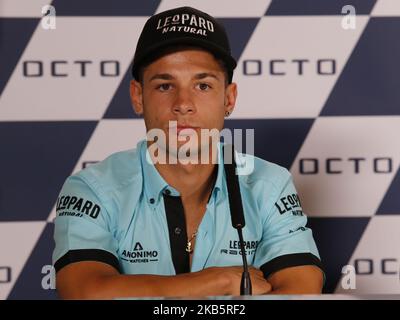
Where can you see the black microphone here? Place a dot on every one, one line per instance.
(237, 216)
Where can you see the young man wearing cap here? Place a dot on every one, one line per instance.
(129, 227)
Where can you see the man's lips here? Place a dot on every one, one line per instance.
(179, 128)
(186, 127)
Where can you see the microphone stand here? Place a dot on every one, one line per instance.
(245, 283)
(237, 216)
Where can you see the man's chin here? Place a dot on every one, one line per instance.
(188, 149)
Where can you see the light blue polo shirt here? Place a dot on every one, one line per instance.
(120, 211)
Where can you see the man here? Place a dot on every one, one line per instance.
(129, 227)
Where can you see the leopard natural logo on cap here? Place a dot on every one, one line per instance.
(190, 23)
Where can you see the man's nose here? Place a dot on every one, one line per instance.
(183, 102)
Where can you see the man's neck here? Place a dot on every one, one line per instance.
(193, 181)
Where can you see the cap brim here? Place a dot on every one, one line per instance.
(230, 62)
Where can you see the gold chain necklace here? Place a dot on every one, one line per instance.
(189, 248)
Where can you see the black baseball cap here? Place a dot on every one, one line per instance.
(182, 26)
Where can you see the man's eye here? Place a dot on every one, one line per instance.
(203, 86)
(164, 87)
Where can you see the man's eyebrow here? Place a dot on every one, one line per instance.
(203, 75)
(161, 76)
(198, 76)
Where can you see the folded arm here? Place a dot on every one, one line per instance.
(306, 279)
(97, 280)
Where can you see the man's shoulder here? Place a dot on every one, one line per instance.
(116, 171)
(263, 171)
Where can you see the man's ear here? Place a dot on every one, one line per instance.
(230, 97)
(136, 92)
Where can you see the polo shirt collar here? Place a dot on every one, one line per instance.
(154, 183)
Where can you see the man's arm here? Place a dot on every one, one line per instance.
(297, 280)
(96, 280)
